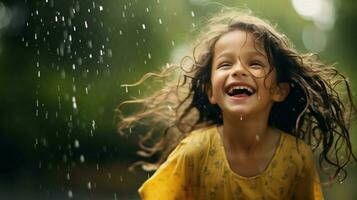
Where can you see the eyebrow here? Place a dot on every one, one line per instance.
(246, 53)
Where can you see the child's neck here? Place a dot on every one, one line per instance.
(246, 133)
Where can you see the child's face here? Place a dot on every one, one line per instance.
(240, 82)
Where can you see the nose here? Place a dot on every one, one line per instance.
(239, 70)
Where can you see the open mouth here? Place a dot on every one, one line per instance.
(240, 91)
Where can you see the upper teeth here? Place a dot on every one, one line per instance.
(240, 87)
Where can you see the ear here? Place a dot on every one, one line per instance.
(210, 96)
(281, 92)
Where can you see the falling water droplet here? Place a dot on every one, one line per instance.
(89, 185)
(257, 137)
(241, 117)
(192, 14)
(68, 176)
(160, 21)
(144, 27)
(93, 124)
(101, 8)
(85, 24)
(81, 158)
(70, 194)
(126, 89)
(109, 175)
(74, 102)
(76, 143)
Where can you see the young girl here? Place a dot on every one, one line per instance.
(244, 118)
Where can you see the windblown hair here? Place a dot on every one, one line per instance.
(317, 110)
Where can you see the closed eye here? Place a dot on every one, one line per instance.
(255, 64)
(224, 65)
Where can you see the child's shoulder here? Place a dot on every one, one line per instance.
(202, 135)
(294, 145)
(198, 141)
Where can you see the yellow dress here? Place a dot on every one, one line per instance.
(198, 169)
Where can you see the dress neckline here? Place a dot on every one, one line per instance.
(264, 172)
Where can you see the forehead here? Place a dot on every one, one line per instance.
(238, 41)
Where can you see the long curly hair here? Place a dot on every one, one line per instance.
(317, 110)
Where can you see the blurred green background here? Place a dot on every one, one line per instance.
(62, 64)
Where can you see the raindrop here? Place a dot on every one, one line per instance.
(74, 102)
(90, 44)
(68, 176)
(257, 137)
(160, 21)
(109, 53)
(81, 158)
(79, 61)
(241, 117)
(192, 14)
(70, 194)
(101, 8)
(85, 24)
(89, 185)
(86, 90)
(93, 124)
(126, 89)
(38, 74)
(144, 27)
(76, 143)
(149, 55)
(109, 175)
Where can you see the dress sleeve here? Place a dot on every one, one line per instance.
(174, 178)
(308, 186)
